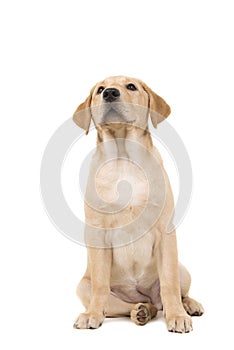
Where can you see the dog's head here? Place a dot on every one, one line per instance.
(121, 100)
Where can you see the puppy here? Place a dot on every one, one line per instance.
(132, 267)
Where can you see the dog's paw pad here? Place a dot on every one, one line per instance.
(142, 313)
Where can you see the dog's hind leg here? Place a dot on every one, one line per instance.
(191, 306)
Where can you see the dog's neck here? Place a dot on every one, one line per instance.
(119, 140)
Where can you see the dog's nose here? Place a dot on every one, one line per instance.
(111, 94)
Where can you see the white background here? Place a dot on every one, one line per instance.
(52, 53)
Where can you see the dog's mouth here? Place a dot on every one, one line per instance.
(116, 112)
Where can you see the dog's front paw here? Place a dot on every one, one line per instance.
(179, 323)
(89, 320)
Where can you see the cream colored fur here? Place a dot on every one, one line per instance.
(130, 272)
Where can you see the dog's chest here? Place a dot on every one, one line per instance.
(121, 183)
(124, 195)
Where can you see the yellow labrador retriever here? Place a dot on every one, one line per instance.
(133, 267)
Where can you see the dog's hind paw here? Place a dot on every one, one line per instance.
(192, 307)
(142, 313)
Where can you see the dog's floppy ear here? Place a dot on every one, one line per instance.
(159, 109)
(82, 115)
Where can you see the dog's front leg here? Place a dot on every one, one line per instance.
(99, 264)
(176, 317)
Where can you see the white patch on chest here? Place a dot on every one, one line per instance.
(122, 181)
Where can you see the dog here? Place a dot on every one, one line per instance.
(133, 267)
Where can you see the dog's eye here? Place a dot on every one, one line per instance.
(100, 89)
(131, 87)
